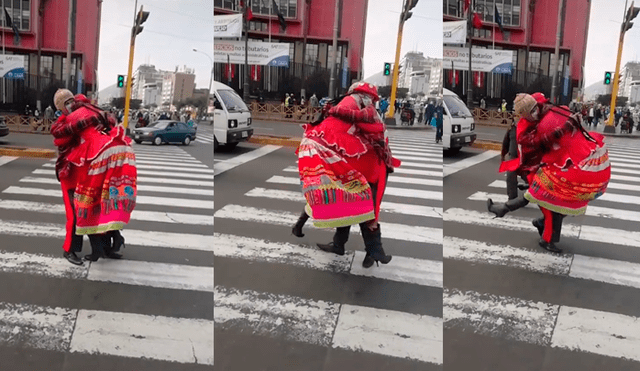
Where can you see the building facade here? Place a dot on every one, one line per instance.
(310, 22)
(177, 86)
(629, 77)
(42, 29)
(144, 75)
(529, 30)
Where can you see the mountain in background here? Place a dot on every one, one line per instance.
(593, 90)
(105, 95)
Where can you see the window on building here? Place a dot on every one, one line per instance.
(258, 26)
(452, 8)
(312, 54)
(534, 61)
(20, 13)
(509, 11)
(46, 65)
(226, 4)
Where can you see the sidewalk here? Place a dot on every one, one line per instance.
(635, 134)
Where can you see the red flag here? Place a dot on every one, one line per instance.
(477, 22)
(248, 12)
(466, 5)
(255, 72)
(229, 71)
(478, 79)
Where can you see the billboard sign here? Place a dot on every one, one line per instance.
(227, 25)
(12, 67)
(483, 60)
(260, 53)
(454, 32)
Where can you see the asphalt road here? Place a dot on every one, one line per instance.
(152, 310)
(282, 304)
(510, 305)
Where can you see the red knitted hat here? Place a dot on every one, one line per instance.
(365, 88)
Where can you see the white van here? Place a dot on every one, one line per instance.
(458, 125)
(231, 118)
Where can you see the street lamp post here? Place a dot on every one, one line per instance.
(210, 79)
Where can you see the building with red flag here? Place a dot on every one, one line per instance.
(41, 38)
(529, 30)
(307, 26)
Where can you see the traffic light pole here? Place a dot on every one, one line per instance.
(610, 127)
(127, 94)
(396, 68)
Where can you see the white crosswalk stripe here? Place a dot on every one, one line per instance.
(168, 255)
(564, 323)
(410, 220)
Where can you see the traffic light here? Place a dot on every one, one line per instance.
(607, 78)
(387, 69)
(631, 14)
(141, 17)
(120, 81)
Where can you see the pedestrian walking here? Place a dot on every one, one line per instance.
(351, 188)
(439, 117)
(97, 173)
(567, 166)
(510, 152)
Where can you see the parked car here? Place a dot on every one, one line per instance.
(165, 131)
(4, 129)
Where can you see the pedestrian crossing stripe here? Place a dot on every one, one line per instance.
(400, 232)
(404, 269)
(141, 179)
(85, 331)
(144, 172)
(160, 167)
(323, 323)
(549, 325)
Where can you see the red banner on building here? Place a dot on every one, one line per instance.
(256, 72)
(229, 71)
(478, 79)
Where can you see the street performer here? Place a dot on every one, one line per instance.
(566, 166)
(97, 173)
(344, 161)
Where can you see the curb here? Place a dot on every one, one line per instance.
(27, 152)
(487, 145)
(275, 140)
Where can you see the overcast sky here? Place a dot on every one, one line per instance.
(602, 44)
(422, 32)
(170, 33)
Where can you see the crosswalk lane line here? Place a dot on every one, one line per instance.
(591, 233)
(142, 172)
(323, 323)
(181, 340)
(186, 160)
(140, 199)
(6, 159)
(183, 241)
(549, 325)
(139, 215)
(390, 207)
(394, 231)
(626, 187)
(156, 167)
(596, 211)
(392, 179)
(224, 166)
(404, 269)
(183, 164)
(141, 179)
(422, 165)
(614, 272)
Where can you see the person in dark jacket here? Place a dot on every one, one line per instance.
(439, 113)
(428, 112)
(510, 148)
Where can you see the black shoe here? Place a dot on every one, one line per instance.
(499, 209)
(114, 255)
(297, 228)
(72, 258)
(91, 258)
(382, 258)
(331, 247)
(523, 186)
(539, 224)
(549, 246)
(118, 243)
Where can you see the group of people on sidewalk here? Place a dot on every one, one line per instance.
(563, 165)
(344, 161)
(97, 173)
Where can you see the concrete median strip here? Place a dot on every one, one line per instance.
(487, 145)
(275, 140)
(27, 152)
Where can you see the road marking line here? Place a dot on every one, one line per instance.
(357, 328)
(134, 237)
(390, 230)
(142, 172)
(224, 166)
(404, 269)
(6, 159)
(153, 167)
(390, 207)
(456, 166)
(142, 200)
(168, 164)
(132, 335)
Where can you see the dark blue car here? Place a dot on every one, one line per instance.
(165, 131)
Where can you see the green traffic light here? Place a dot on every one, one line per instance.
(120, 81)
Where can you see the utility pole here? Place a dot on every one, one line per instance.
(630, 14)
(470, 79)
(404, 16)
(67, 70)
(556, 62)
(245, 86)
(334, 54)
